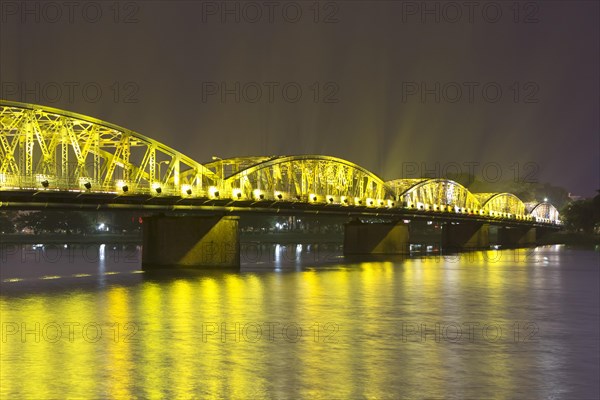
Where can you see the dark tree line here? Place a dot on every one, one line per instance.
(54, 222)
(6, 223)
(67, 222)
(582, 215)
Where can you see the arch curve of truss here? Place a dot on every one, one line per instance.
(68, 151)
(435, 193)
(504, 203)
(312, 178)
(544, 211)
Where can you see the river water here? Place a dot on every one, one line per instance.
(300, 322)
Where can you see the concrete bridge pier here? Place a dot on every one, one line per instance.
(517, 236)
(377, 238)
(191, 242)
(465, 236)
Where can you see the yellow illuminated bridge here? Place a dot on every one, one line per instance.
(55, 158)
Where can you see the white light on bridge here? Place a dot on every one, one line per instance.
(85, 183)
(213, 192)
(278, 195)
(258, 194)
(122, 185)
(186, 189)
(236, 194)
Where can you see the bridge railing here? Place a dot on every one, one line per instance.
(123, 188)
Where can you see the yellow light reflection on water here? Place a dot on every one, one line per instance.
(305, 331)
(119, 351)
(152, 347)
(210, 295)
(374, 329)
(197, 337)
(80, 350)
(181, 342)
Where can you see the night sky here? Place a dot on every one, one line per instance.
(379, 80)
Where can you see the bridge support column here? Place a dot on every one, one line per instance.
(465, 235)
(516, 236)
(379, 238)
(193, 242)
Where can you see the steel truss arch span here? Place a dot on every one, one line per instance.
(501, 204)
(309, 178)
(435, 194)
(544, 211)
(61, 150)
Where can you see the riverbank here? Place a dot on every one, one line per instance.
(56, 238)
(292, 237)
(136, 238)
(570, 238)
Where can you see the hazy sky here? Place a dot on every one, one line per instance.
(395, 86)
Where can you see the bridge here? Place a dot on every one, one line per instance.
(50, 158)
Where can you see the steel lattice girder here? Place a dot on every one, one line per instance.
(445, 192)
(501, 202)
(64, 151)
(69, 150)
(441, 192)
(544, 210)
(300, 177)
